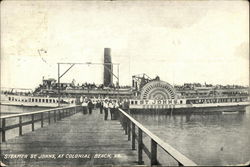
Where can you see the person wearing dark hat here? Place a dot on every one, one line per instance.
(106, 109)
(112, 108)
(100, 105)
(90, 106)
(116, 110)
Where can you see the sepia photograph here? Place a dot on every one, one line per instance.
(124, 83)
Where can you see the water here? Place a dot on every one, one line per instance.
(11, 110)
(214, 139)
(8, 110)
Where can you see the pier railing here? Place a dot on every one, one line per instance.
(50, 115)
(129, 124)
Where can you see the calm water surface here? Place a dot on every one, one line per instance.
(214, 139)
(7, 110)
(10, 110)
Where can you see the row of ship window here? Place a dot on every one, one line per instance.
(34, 100)
(215, 100)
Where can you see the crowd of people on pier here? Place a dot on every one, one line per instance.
(106, 106)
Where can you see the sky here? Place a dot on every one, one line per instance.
(180, 41)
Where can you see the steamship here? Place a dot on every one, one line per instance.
(144, 94)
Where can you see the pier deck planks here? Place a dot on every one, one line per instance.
(77, 134)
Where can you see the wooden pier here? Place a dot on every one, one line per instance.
(69, 137)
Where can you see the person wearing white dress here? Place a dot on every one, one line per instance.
(111, 108)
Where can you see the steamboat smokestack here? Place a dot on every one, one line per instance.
(108, 68)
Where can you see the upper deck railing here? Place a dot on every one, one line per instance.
(129, 124)
(32, 117)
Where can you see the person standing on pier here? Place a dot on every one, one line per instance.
(90, 106)
(126, 105)
(100, 105)
(106, 107)
(111, 107)
(116, 106)
(84, 107)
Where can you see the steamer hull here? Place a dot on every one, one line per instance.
(208, 109)
(34, 101)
